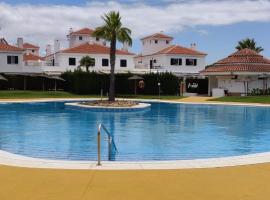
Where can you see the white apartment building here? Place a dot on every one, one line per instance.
(159, 54)
(81, 44)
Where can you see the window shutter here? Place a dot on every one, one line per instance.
(16, 59)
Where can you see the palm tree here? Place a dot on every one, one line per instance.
(87, 62)
(250, 44)
(113, 31)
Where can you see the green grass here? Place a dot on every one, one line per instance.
(17, 94)
(249, 99)
(20, 94)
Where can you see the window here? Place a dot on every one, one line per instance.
(156, 41)
(191, 62)
(167, 41)
(97, 39)
(72, 61)
(11, 60)
(33, 51)
(123, 63)
(105, 62)
(176, 61)
(80, 38)
(155, 61)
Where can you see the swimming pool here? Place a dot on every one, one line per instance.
(166, 131)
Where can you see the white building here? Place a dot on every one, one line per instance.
(239, 74)
(82, 44)
(158, 53)
(11, 57)
(82, 36)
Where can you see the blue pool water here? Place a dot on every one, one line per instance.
(164, 132)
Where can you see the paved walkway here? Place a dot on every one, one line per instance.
(195, 99)
(232, 183)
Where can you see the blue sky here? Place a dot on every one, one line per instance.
(216, 26)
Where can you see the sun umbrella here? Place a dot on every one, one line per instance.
(3, 78)
(135, 78)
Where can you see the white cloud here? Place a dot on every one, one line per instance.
(43, 23)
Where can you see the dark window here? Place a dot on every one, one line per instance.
(167, 41)
(33, 51)
(72, 61)
(123, 63)
(180, 61)
(97, 39)
(80, 37)
(155, 61)
(191, 62)
(12, 60)
(174, 61)
(105, 62)
(156, 41)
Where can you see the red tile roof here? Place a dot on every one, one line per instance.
(32, 57)
(177, 49)
(158, 36)
(245, 60)
(83, 31)
(29, 46)
(87, 48)
(8, 48)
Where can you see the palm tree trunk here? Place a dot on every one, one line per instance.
(112, 76)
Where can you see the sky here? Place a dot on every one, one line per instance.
(214, 25)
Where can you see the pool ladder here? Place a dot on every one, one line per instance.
(111, 144)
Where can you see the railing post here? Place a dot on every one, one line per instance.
(98, 140)
(109, 147)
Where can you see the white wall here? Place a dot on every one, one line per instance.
(63, 61)
(237, 86)
(75, 41)
(149, 46)
(163, 63)
(4, 67)
(32, 51)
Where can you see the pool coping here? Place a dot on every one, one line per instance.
(11, 159)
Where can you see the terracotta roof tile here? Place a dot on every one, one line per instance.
(177, 49)
(158, 36)
(32, 57)
(83, 31)
(29, 46)
(87, 48)
(245, 60)
(7, 47)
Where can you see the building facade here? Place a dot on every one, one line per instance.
(159, 54)
(239, 74)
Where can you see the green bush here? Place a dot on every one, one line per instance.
(258, 91)
(81, 82)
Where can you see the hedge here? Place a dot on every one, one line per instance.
(81, 82)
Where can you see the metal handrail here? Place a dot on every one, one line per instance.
(111, 143)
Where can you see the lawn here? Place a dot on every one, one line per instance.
(249, 99)
(20, 94)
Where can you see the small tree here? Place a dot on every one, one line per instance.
(87, 62)
(250, 44)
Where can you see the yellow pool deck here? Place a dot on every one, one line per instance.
(232, 183)
(251, 182)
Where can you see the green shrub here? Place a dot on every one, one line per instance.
(81, 82)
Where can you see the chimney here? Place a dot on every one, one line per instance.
(48, 49)
(56, 46)
(20, 42)
(125, 46)
(193, 46)
(70, 30)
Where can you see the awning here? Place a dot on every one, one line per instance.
(2, 78)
